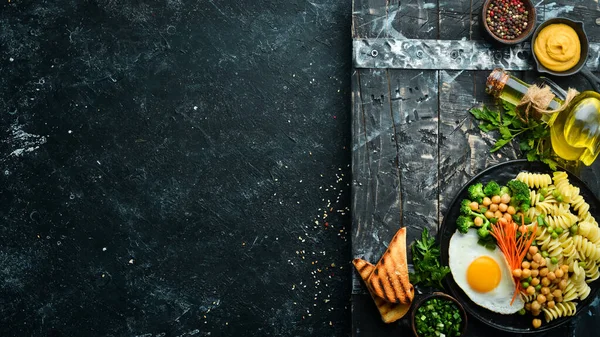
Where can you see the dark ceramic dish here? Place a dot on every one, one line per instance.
(524, 35)
(579, 67)
(502, 173)
(438, 295)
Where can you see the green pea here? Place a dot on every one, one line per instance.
(554, 260)
(542, 198)
(581, 264)
(538, 287)
(544, 191)
(574, 229)
(525, 284)
(554, 235)
(558, 230)
(534, 243)
(550, 230)
(544, 253)
(559, 198)
(522, 311)
(556, 193)
(529, 279)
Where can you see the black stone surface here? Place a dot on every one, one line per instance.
(174, 168)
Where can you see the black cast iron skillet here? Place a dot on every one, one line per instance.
(580, 66)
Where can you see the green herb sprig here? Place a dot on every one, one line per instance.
(533, 136)
(426, 261)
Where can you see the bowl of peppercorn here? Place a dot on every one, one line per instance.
(508, 21)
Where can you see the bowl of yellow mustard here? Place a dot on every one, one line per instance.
(560, 46)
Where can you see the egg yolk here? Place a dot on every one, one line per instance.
(483, 274)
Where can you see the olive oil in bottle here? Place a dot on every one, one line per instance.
(574, 131)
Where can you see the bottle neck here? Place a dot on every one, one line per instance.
(511, 89)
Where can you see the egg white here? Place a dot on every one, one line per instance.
(463, 250)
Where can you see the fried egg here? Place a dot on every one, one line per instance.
(483, 274)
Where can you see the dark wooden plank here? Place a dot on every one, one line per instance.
(376, 204)
(370, 18)
(413, 19)
(414, 105)
(455, 19)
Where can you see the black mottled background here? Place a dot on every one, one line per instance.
(174, 168)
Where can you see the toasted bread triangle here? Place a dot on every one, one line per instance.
(389, 280)
(390, 312)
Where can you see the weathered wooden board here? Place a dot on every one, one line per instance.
(414, 141)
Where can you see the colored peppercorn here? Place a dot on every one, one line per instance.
(507, 19)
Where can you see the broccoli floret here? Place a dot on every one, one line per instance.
(467, 218)
(483, 232)
(476, 192)
(463, 223)
(504, 190)
(491, 189)
(519, 192)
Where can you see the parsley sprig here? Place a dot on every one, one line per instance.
(426, 261)
(533, 136)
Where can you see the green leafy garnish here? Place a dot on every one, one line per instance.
(533, 135)
(426, 261)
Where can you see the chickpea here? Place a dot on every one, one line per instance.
(558, 299)
(550, 304)
(534, 265)
(505, 198)
(557, 293)
(496, 199)
(535, 305)
(536, 323)
(537, 257)
(533, 250)
(508, 217)
(530, 290)
(498, 215)
(542, 262)
(502, 207)
(493, 207)
(551, 276)
(545, 282)
(511, 210)
(562, 284)
(541, 298)
(534, 282)
(528, 306)
(536, 312)
(565, 276)
(564, 268)
(517, 272)
(487, 201)
(526, 273)
(525, 265)
(545, 290)
(474, 205)
(489, 214)
(543, 272)
(549, 297)
(529, 257)
(478, 221)
(559, 273)
(535, 273)
(503, 221)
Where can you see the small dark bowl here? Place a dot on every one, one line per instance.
(524, 35)
(578, 27)
(438, 295)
